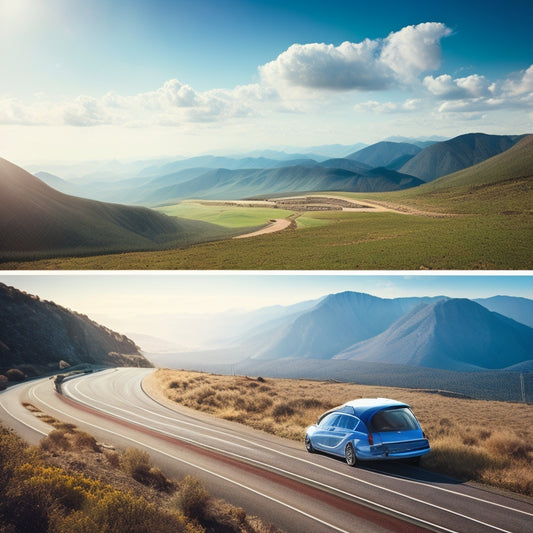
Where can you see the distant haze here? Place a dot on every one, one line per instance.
(197, 309)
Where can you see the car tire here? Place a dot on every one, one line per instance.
(349, 455)
(309, 445)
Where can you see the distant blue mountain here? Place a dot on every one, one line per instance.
(335, 323)
(453, 334)
(519, 309)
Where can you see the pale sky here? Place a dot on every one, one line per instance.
(123, 79)
(142, 293)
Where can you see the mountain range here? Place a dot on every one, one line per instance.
(437, 332)
(36, 335)
(48, 216)
(384, 166)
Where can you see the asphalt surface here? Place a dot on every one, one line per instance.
(267, 476)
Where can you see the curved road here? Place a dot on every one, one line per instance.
(269, 477)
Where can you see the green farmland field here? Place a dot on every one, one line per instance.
(225, 215)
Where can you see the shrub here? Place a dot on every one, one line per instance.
(192, 498)
(84, 441)
(134, 460)
(509, 446)
(14, 374)
(55, 441)
(282, 410)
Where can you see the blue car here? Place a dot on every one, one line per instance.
(368, 430)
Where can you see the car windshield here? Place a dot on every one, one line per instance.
(396, 419)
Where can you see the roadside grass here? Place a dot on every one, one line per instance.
(474, 440)
(358, 241)
(69, 483)
(225, 215)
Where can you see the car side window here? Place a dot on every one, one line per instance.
(328, 420)
(347, 422)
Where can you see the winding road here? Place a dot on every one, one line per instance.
(267, 476)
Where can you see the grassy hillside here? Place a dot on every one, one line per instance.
(502, 184)
(366, 241)
(465, 441)
(455, 154)
(36, 220)
(479, 218)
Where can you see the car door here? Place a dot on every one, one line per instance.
(324, 437)
(344, 429)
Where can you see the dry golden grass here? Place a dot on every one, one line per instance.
(486, 441)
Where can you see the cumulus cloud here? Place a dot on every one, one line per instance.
(414, 49)
(368, 65)
(172, 104)
(475, 94)
(447, 88)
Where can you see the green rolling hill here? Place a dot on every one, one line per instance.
(36, 220)
(461, 152)
(501, 184)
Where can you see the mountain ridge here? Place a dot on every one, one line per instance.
(463, 151)
(453, 334)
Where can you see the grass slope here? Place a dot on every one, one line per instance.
(38, 220)
(487, 225)
(455, 154)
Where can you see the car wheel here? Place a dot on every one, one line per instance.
(349, 454)
(309, 445)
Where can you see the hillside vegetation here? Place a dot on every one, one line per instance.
(466, 436)
(70, 483)
(37, 336)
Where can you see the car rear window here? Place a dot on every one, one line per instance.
(396, 419)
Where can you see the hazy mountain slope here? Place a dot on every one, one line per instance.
(456, 154)
(244, 183)
(61, 185)
(455, 334)
(516, 162)
(519, 309)
(36, 218)
(335, 323)
(39, 334)
(384, 153)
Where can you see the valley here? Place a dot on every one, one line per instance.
(342, 212)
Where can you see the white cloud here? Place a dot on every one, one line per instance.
(372, 106)
(368, 65)
(447, 88)
(324, 66)
(475, 94)
(414, 49)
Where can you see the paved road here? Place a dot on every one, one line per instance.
(270, 477)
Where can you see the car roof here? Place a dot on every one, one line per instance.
(365, 408)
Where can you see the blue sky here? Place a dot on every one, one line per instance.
(121, 79)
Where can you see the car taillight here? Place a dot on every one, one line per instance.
(370, 439)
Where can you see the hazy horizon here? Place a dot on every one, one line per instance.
(180, 305)
(121, 80)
